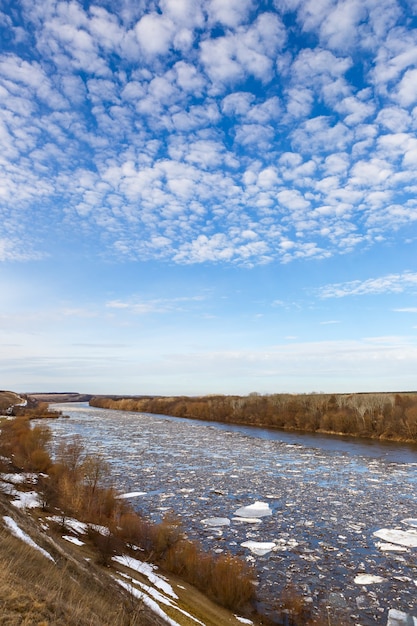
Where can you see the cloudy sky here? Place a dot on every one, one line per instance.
(208, 196)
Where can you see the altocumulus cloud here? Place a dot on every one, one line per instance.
(200, 130)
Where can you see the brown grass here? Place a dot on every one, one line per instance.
(35, 591)
(7, 398)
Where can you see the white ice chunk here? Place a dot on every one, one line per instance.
(20, 534)
(216, 521)
(398, 618)
(258, 509)
(390, 547)
(249, 520)
(132, 494)
(368, 579)
(410, 522)
(258, 547)
(243, 620)
(401, 537)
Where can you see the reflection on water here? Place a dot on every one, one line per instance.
(327, 496)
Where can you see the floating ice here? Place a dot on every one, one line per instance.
(132, 494)
(400, 537)
(410, 522)
(390, 547)
(258, 547)
(398, 618)
(368, 579)
(216, 521)
(259, 509)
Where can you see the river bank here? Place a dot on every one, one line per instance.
(382, 416)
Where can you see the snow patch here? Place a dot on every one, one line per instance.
(73, 540)
(70, 523)
(146, 570)
(20, 534)
(27, 500)
(154, 606)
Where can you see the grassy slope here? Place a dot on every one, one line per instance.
(7, 398)
(75, 591)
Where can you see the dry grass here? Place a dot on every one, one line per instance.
(7, 398)
(35, 591)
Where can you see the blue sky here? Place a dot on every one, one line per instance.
(208, 196)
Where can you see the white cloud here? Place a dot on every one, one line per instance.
(391, 283)
(231, 13)
(155, 33)
(248, 51)
(407, 89)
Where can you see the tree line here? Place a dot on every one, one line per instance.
(390, 416)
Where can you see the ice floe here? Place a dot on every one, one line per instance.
(401, 537)
(254, 511)
(368, 579)
(216, 521)
(410, 522)
(132, 494)
(260, 548)
(398, 618)
(390, 547)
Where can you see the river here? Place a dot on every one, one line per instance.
(320, 501)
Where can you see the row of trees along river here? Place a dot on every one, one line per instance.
(391, 416)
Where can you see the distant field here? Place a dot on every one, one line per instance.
(61, 397)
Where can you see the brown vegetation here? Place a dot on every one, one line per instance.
(372, 415)
(78, 485)
(34, 590)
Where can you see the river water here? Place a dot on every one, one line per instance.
(320, 502)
